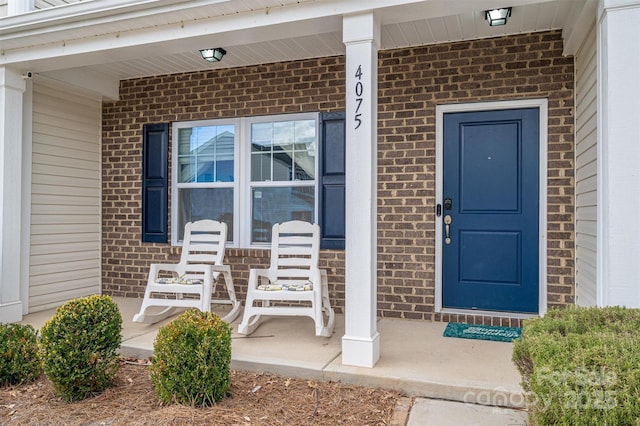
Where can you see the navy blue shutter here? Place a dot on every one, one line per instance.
(155, 194)
(332, 180)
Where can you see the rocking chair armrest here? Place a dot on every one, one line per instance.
(256, 274)
(154, 268)
(316, 276)
(178, 269)
(220, 268)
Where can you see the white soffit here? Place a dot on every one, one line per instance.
(141, 43)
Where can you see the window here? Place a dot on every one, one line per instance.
(283, 170)
(249, 172)
(203, 174)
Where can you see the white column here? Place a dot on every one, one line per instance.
(25, 222)
(20, 6)
(361, 342)
(12, 87)
(619, 153)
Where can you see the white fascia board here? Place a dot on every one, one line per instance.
(112, 12)
(82, 14)
(91, 13)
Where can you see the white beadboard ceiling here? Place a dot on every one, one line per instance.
(466, 26)
(316, 34)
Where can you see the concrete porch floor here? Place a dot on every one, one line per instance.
(415, 358)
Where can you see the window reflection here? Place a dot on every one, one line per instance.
(283, 151)
(205, 154)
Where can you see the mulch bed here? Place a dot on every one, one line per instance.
(256, 399)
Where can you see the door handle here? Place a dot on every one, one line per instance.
(447, 223)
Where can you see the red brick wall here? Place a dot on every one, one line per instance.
(300, 86)
(412, 82)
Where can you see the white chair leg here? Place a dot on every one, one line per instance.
(233, 313)
(235, 303)
(326, 307)
(145, 318)
(205, 296)
(249, 325)
(319, 320)
(152, 319)
(250, 321)
(330, 321)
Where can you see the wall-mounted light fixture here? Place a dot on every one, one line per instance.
(213, 54)
(497, 17)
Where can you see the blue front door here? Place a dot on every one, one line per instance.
(490, 210)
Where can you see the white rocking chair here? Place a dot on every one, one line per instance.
(293, 276)
(196, 274)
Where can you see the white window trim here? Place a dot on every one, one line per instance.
(241, 170)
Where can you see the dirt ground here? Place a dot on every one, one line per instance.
(256, 399)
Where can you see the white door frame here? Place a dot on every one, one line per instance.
(542, 105)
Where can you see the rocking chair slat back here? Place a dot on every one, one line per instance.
(202, 245)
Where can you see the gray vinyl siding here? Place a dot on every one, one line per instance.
(586, 172)
(64, 262)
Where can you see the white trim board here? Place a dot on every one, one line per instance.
(542, 105)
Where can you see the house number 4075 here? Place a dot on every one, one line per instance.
(358, 90)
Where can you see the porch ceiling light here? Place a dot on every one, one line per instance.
(213, 54)
(497, 17)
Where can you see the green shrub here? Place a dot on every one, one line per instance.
(192, 357)
(581, 366)
(19, 361)
(79, 344)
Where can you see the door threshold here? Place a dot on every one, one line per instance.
(499, 314)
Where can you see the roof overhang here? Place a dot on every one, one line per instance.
(120, 39)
